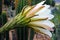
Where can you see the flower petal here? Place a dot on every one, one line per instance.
(44, 14)
(50, 16)
(45, 24)
(40, 4)
(46, 8)
(47, 32)
(38, 7)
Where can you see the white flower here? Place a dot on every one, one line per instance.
(44, 13)
(42, 18)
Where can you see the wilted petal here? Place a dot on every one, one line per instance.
(45, 24)
(47, 32)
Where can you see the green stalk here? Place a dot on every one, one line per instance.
(18, 20)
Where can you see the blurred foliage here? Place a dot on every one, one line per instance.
(0, 6)
(22, 3)
(7, 2)
(56, 33)
(50, 2)
(3, 18)
(58, 28)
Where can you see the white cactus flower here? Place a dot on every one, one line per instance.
(37, 17)
(42, 12)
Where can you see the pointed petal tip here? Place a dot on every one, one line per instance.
(41, 3)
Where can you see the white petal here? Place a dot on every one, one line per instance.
(45, 13)
(47, 32)
(48, 6)
(48, 23)
(45, 24)
(50, 16)
(35, 9)
(43, 10)
(41, 14)
(39, 4)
